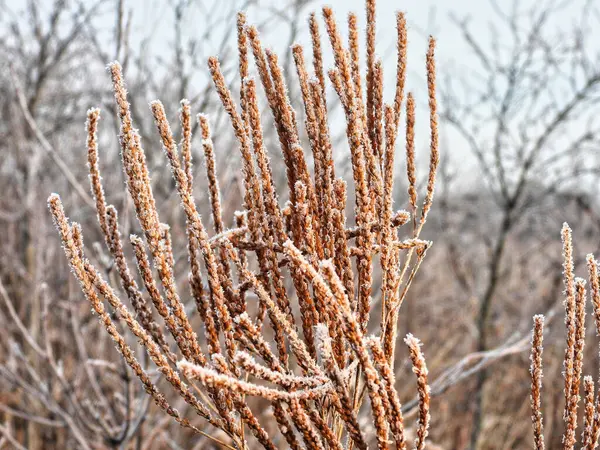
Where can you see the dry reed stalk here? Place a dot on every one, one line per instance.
(536, 381)
(269, 195)
(288, 118)
(319, 149)
(317, 52)
(328, 171)
(215, 199)
(371, 86)
(401, 47)
(324, 365)
(165, 233)
(434, 157)
(252, 188)
(215, 380)
(570, 305)
(410, 158)
(213, 183)
(570, 438)
(242, 44)
(595, 297)
(420, 370)
(594, 289)
(388, 254)
(193, 249)
(186, 140)
(342, 253)
(252, 194)
(589, 411)
(93, 116)
(377, 138)
(575, 312)
(390, 323)
(398, 298)
(278, 376)
(353, 37)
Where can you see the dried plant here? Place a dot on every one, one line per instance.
(575, 306)
(297, 274)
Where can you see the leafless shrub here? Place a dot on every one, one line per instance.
(316, 381)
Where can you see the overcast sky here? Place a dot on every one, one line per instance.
(155, 18)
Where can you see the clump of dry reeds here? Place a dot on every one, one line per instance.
(326, 359)
(575, 306)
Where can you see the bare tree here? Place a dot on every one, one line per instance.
(528, 114)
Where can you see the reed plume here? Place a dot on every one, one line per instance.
(303, 272)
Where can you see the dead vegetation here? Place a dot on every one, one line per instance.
(295, 271)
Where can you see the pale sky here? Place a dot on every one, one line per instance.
(155, 18)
